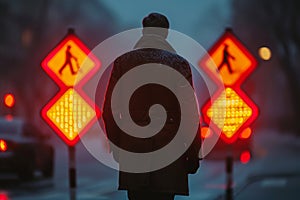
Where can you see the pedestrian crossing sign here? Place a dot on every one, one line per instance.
(230, 110)
(70, 113)
(70, 62)
(228, 61)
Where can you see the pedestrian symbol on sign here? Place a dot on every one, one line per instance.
(68, 61)
(229, 62)
(64, 61)
(226, 57)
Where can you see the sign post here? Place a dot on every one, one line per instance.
(72, 172)
(229, 177)
(70, 113)
(230, 110)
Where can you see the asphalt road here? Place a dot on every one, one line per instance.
(273, 173)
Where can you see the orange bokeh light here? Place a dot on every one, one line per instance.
(205, 132)
(265, 53)
(9, 100)
(3, 146)
(246, 133)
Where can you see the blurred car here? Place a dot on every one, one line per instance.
(24, 149)
(241, 149)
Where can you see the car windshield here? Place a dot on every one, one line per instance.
(9, 127)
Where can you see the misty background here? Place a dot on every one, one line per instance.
(30, 29)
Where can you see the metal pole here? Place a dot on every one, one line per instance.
(72, 173)
(229, 177)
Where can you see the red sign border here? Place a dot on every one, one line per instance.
(229, 34)
(250, 120)
(56, 129)
(82, 46)
(63, 88)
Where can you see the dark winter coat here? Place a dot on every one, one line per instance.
(173, 178)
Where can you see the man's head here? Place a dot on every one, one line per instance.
(156, 24)
(156, 20)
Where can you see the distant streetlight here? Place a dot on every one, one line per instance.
(9, 100)
(26, 38)
(265, 53)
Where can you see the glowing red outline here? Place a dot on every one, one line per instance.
(251, 119)
(53, 52)
(236, 86)
(64, 88)
(240, 45)
(57, 130)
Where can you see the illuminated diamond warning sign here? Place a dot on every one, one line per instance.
(63, 63)
(229, 112)
(70, 114)
(229, 59)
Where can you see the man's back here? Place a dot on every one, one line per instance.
(173, 178)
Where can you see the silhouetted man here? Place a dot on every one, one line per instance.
(68, 61)
(226, 57)
(165, 183)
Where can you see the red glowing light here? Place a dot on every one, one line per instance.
(245, 157)
(3, 196)
(9, 117)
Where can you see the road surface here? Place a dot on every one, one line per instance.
(275, 167)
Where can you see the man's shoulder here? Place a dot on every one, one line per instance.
(147, 55)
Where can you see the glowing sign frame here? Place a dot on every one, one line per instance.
(247, 123)
(64, 88)
(235, 86)
(229, 34)
(57, 130)
(59, 47)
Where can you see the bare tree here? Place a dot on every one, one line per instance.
(278, 22)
